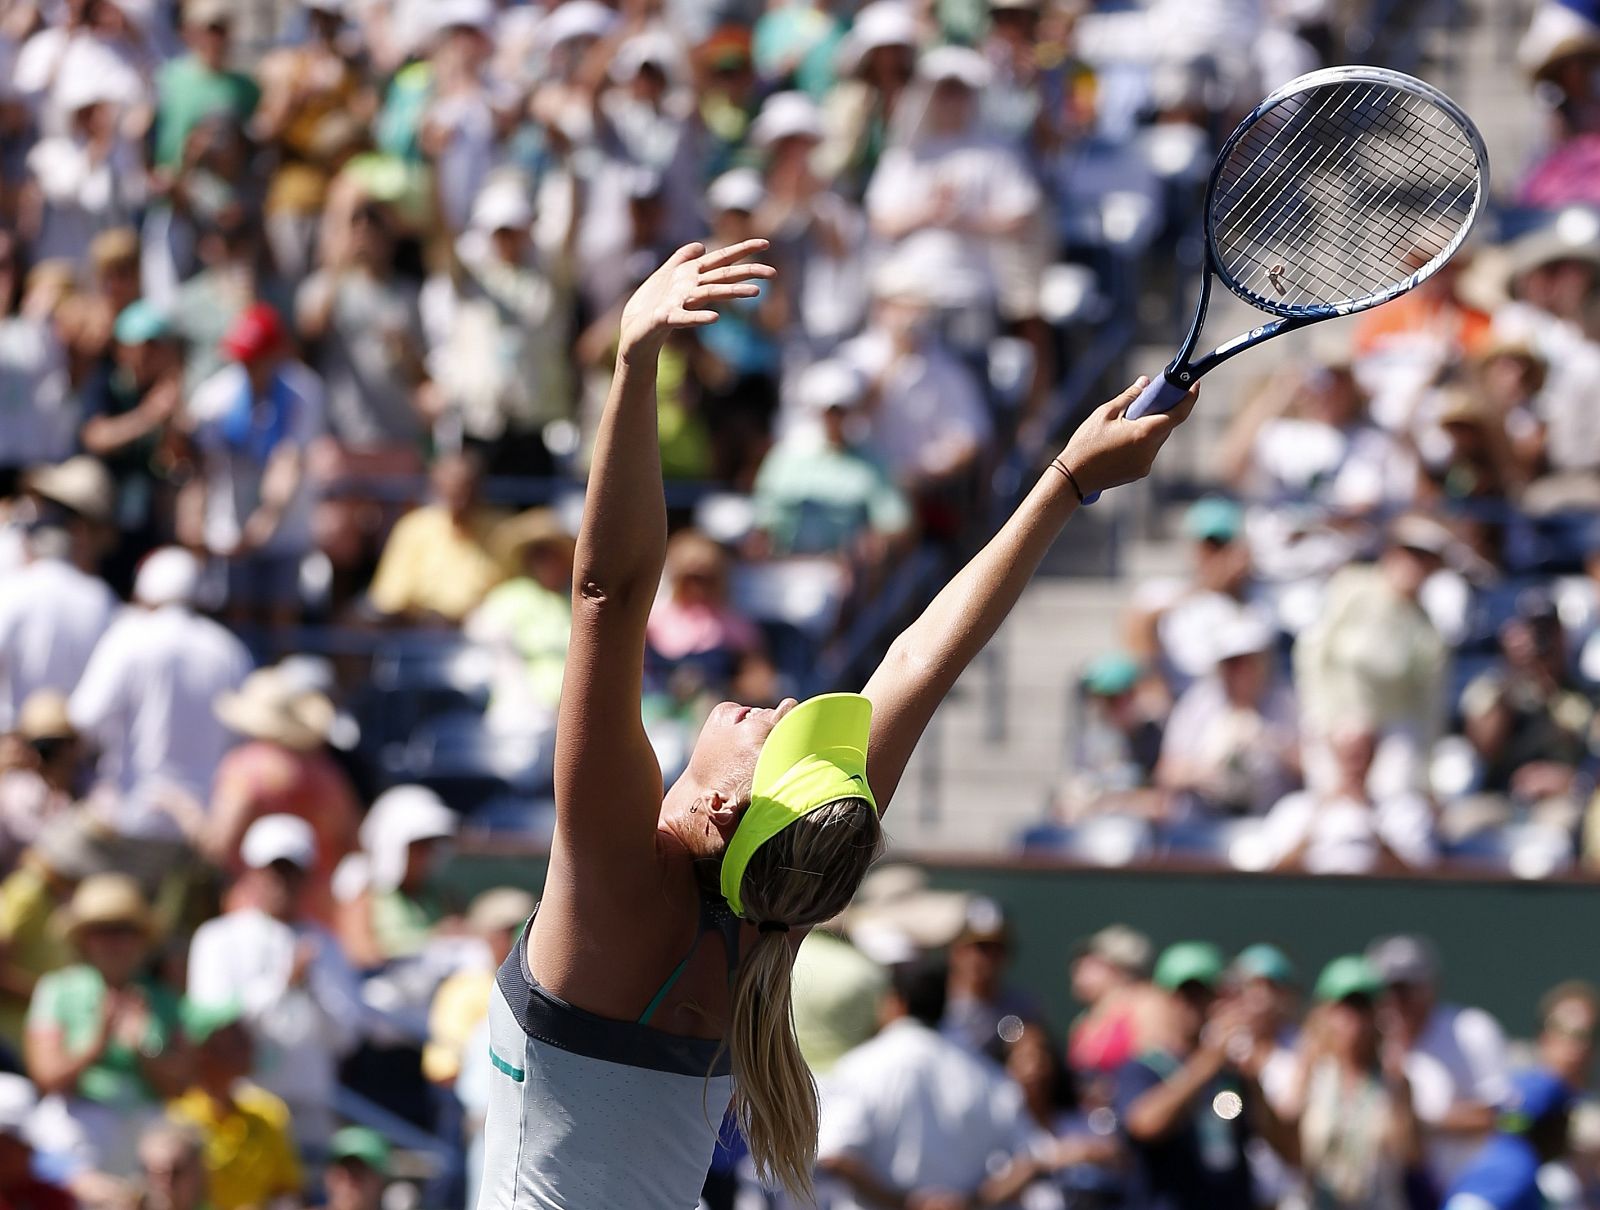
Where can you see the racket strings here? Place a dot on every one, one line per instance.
(1342, 193)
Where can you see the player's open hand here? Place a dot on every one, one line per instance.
(1108, 450)
(682, 293)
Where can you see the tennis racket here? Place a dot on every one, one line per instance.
(1341, 191)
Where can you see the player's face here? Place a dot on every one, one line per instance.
(724, 759)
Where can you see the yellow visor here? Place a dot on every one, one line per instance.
(816, 755)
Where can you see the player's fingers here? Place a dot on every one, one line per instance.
(686, 253)
(732, 253)
(1116, 407)
(711, 294)
(731, 273)
(1162, 423)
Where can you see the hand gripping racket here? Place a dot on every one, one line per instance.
(1342, 190)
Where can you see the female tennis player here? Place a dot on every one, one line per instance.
(652, 984)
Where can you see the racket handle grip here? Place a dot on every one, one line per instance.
(1161, 395)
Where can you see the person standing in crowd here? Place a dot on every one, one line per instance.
(51, 616)
(298, 995)
(201, 84)
(911, 1115)
(388, 905)
(48, 779)
(980, 996)
(249, 1155)
(41, 417)
(253, 423)
(358, 1169)
(146, 699)
(1108, 977)
(1359, 1144)
(439, 562)
(1189, 1104)
(1455, 1057)
(1569, 1013)
(104, 1037)
(1530, 1132)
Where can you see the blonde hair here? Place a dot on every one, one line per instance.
(804, 875)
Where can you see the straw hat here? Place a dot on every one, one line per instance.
(536, 527)
(268, 706)
(500, 908)
(106, 899)
(1556, 33)
(81, 484)
(44, 716)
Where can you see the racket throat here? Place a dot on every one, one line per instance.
(1191, 372)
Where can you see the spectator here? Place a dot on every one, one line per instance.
(87, 319)
(173, 1169)
(1569, 1013)
(1231, 745)
(103, 1035)
(1345, 827)
(51, 614)
(253, 423)
(282, 767)
(43, 417)
(20, 1184)
(911, 1115)
(439, 562)
(389, 907)
(1172, 624)
(1358, 1138)
(1530, 1132)
(359, 317)
(1374, 655)
(47, 780)
(200, 85)
(297, 993)
(358, 1171)
(1528, 718)
(837, 991)
(131, 406)
(1559, 52)
(527, 622)
(1455, 1057)
(821, 492)
(146, 699)
(32, 899)
(89, 178)
(1189, 1105)
(980, 997)
(77, 498)
(698, 643)
(499, 332)
(249, 1156)
(460, 1005)
(1119, 744)
(877, 60)
(1109, 972)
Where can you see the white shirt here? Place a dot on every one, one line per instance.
(233, 475)
(1461, 1056)
(1342, 834)
(38, 418)
(146, 698)
(51, 617)
(1572, 427)
(246, 957)
(929, 406)
(921, 1112)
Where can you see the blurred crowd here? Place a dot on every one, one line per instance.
(1190, 1079)
(1382, 656)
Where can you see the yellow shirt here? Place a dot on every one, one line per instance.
(459, 1006)
(430, 566)
(32, 944)
(249, 1154)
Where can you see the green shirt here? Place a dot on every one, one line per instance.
(401, 923)
(70, 999)
(187, 93)
(538, 624)
(812, 497)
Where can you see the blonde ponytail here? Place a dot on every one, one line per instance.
(804, 875)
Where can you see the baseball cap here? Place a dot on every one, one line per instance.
(1536, 1094)
(736, 189)
(1416, 532)
(1263, 961)
(279, 838)
(986, 921)
(362, 1144)
(256, 332)
(1111, 674)
(502, 205)
(1213, 519)
(1404, 959)
(1125, 948)
(1243, 635)
(1189, 962)
(168, 576)
(786, 115)
(1346, 976)
(139, 323)
(815, 755)
(960, 64)
(201, 1021)
(830, 384)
